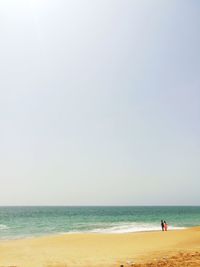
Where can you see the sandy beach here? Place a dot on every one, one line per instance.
(172, 248)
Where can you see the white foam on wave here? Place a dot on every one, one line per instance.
(131, 228)
(3, 227)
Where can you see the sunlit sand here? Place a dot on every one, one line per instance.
(170, 248)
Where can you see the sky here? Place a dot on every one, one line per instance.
(99, 102)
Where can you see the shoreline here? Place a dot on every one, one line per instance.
(97, 249)
(92, 233)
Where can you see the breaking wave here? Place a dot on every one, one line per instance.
(3, 227)
(131, 228)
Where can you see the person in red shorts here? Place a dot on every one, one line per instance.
(165, 226)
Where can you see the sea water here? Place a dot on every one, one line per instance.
(21, 222)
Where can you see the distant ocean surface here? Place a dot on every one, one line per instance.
(21, 222)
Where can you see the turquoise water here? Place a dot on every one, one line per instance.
(18, 222)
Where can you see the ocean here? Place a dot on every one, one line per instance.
(22, 222)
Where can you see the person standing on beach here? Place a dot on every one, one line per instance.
(165, 226)
(162, 225)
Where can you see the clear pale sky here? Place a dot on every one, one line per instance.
(99, 102)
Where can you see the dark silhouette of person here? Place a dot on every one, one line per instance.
(162, 225)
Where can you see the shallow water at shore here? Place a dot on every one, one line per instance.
(20, 222)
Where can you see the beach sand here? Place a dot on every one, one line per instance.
(172, 248)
